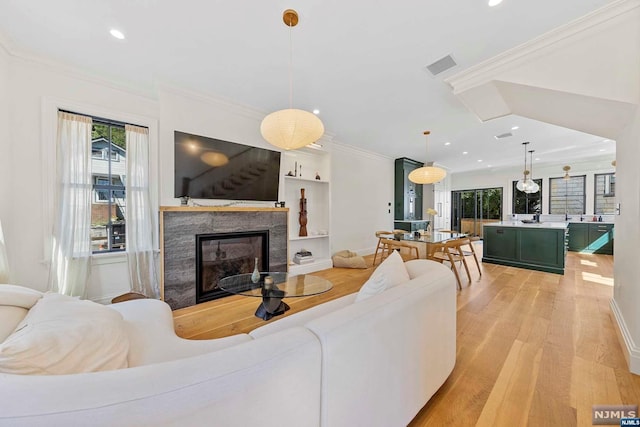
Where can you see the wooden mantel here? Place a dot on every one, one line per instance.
(220, 209)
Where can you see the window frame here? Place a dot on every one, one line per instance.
(50, 106)
(595, 193)
(539, 181)
(584, 195)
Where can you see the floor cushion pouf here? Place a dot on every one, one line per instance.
(348, 259)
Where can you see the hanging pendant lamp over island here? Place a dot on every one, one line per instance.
(526, 184)
(291, 128)
(427, 174)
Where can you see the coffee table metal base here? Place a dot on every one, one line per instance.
(271, 307)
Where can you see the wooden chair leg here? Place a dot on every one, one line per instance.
(475, 258)
(466, 267)
(455, 270)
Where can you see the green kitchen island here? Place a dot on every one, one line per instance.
(536, 246)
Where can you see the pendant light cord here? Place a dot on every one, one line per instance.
(290, 65)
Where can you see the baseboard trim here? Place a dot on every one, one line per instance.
(629, 348)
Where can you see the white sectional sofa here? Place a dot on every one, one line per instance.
(374, 362)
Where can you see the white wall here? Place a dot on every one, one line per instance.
(32, 86)
(362, 189)
(30, 91)
(488, 178)
(5, 150)
(626, 292)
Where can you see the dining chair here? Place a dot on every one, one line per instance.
(468, 241)
(393, 244)
(449, 251)
(382, 247)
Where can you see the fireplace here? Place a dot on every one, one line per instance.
(179, 227)
(220, 255)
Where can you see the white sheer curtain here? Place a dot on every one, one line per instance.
(71, 255)
(4, 262)
(139, 214)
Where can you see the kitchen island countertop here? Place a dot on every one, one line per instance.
(520, 224)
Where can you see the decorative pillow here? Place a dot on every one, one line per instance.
(10, 316)
(348, 259)
(390, 272)
(19, 296)
(64, 335)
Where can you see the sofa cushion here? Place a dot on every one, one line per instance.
(18, 296)
(64, 335)
(390, 272)
(10, 316)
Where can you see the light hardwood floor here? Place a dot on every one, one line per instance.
(533, 348)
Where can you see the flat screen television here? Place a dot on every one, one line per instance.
(208, 168)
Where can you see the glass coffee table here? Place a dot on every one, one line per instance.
(272, 288)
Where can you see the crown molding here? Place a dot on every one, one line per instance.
(347, 148)
(486, 71)
(59, 67)
(210, 99)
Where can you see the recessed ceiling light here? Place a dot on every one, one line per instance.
(494, 2)
(117, 34)
(537, 158)
(447, 143)
(316, 111)
(488, 166)
(515, 128)
(465, 152)
(602, 149)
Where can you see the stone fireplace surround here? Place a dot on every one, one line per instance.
(179, 227)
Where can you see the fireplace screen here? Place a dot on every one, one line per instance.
(225, 254)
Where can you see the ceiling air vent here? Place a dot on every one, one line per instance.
(503, 135)
(441, 65)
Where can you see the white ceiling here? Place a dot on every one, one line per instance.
(361, 63)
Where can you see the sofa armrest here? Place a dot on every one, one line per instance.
(152, 336)
(392, 350)
(272, 381)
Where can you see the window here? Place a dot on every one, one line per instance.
(567, 196)
(527, 203)
(108, 169)
(605, 194)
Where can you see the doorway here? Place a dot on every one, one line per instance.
(470, 209)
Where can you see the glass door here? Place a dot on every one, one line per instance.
(470, 209)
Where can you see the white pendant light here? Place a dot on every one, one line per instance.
(427, 174)
(291, 128)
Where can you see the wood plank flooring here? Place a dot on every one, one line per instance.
(533, 348)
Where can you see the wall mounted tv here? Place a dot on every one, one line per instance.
(208, 168)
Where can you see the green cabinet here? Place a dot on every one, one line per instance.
(593, 238)
(534, 248)
(407, 195)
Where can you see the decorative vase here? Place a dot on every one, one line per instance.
(302, 219)
(255, 276)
